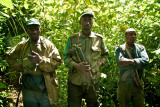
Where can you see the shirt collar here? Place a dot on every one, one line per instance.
(130, 47)
(91, 35)
(38, 42)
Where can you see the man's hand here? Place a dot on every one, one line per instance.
(34, 57)
(124, 62)
(84, 67)
(100, 63)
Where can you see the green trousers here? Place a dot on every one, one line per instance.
(130, 92)
(76, 93)
(35, 98)
(34, 92)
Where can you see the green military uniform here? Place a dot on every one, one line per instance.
(127, 89)
(80, 85)
(37, 79)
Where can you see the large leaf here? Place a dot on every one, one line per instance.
(7, 3)
(87, 2)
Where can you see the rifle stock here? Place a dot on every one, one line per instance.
(135, 78)
(82, 58)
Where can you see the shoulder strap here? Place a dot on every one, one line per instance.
(137, 81)
(98, 35)
(129, 54)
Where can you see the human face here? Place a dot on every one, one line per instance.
(86, 22)
(33, 32)
(130, 37)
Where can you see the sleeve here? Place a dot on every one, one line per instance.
(69, 62)
(50, 61)
(104, 52)
(13, 57)
(118, 55)
(143, 60)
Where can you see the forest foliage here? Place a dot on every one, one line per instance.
(60, 18)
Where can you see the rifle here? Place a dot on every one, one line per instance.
(134, 73)
(81, 58)
(19, 89)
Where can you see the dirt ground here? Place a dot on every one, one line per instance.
(13, 95)
(9, 96)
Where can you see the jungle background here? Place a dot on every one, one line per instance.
(60, 18)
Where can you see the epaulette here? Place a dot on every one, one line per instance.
(98, 35)
(24, 41)
(123, 47)
(139, 46)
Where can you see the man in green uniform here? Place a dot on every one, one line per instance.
(85, 53)
(131, 58)
(37, 58)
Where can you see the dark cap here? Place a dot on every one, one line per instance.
(87, 11)
(33, 21)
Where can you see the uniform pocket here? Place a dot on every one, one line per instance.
(95, 53)
(95, 48)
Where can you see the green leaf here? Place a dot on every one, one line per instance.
(87, 2)
(7, 3)
(26, 4)
(4, 14)
(2, 19)
(158, 92)
(120, 9)
(2, 85)
(157, 51)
